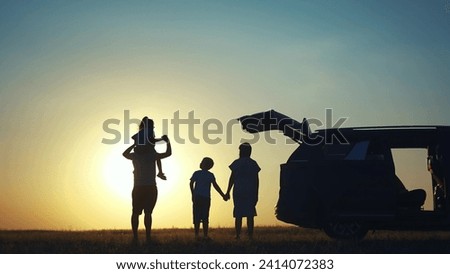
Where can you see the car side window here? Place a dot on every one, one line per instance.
(358, 152)
(336, 151)
(376, 151)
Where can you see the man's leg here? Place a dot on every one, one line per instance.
(135, 225)
(250, 225)
(152, 196)
(148, 225)
(238, 227)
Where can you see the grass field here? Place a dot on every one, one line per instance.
(277, 240)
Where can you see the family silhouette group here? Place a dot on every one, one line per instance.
(243, 181)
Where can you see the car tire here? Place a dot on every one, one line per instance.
(350, 230)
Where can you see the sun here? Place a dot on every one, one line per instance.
(118, 174)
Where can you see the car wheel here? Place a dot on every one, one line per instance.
(345, 230)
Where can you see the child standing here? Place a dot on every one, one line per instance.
(200, 186)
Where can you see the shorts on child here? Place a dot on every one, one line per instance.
(200, 208)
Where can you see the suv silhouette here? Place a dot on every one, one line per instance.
(343, 180)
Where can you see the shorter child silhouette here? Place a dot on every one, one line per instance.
(145, 140)
(201, 182)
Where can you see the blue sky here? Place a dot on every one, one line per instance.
(390, 53)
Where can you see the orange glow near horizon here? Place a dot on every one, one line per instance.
(89, 185)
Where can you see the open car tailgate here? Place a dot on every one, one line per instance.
(272, 120)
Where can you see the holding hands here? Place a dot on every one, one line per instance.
(226, 197)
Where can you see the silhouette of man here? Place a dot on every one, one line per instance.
(145, 192)
(245, 180)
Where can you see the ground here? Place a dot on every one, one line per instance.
(276, 240)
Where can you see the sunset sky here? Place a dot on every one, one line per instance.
(68, 68)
